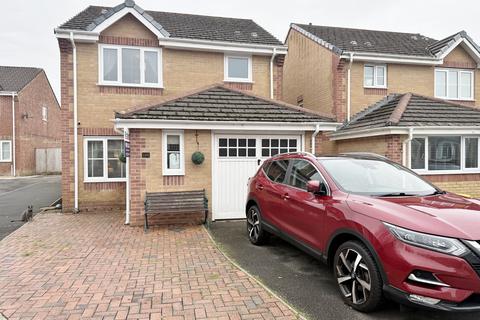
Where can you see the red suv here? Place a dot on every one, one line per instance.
(385, 231)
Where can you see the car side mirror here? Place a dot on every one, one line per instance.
(316, 187)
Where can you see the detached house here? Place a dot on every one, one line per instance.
(403, 95)
(142, 91)
(29, 122)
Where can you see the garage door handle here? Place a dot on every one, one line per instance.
(286, 197)
(260, 187)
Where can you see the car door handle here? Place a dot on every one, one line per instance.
(286, 196)
(259, 186)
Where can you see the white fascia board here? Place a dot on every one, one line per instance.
(8, 93)
(224, 125)
(78, 35)
(221, 46)
(120, 14)
(443, 130)
(392, 58)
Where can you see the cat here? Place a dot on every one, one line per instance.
(27, 215)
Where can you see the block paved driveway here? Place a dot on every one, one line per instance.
(92, 266)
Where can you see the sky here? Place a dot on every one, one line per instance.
(27, 38)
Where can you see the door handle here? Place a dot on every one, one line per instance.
(286, 196)
(259, 162)
(259, 186)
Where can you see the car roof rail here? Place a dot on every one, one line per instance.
(304, 153)
(364, 154)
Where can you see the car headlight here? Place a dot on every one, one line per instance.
(428, 241)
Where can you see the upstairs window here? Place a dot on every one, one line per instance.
(44, 114)
(5, 151)
(238, 68)
(454, 84)
(130, 66)
(375, 76)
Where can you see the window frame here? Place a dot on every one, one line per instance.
(119, 82)
(105, 178)
(290, 169)
(459, 73)
(1, 151)
(249, 79)
(165, 170)
(462, 170)
(375, 84)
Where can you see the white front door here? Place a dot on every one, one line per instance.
(237, 158)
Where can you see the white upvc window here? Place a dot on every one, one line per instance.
(375, 76)
(5, 151)
(445, 154)
(454, 84)
(44, 113)
(238, 68)
(130, 66)
(173, 154)
(102, 159)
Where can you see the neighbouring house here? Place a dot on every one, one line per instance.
(30, 122)
(398, 94)
(179, 83)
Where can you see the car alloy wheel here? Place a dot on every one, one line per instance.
(353, 276)
(256, 234)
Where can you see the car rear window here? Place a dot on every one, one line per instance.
(277, 170)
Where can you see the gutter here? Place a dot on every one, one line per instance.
(393, 58)
(75, 124)
(349, 90)
(274, 53)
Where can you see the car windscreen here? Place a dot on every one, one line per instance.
(375, 177)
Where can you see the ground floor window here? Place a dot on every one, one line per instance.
(445, 153)
(103, 159)
(173, 153)
(5, 151)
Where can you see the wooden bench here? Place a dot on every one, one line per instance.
(175, 202)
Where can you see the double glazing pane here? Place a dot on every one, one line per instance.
(131, 65)
(452, 84)
(302, 172)
(238, 67)
(418, 153)
(173, 152)
(369, 76)
(465, 85)
(380, 76)
(471, 153)
(116, 168)
(440, 83)
(5, 151)
(110, 64)
(444, 153)
(151, 66)
(95, 159)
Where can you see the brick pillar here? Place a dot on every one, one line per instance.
(339, 69)
(66, 77)
(278, 77)
(137, 177)
(394, 148)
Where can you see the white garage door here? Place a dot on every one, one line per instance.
(236, 159)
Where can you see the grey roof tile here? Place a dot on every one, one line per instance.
(179, 25)
(16, 78)
(218, 103)
(420, 111)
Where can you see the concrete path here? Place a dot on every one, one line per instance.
(16, 194)
(91, 266)
(306, 284)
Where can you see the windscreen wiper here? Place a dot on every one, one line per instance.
(397, 194)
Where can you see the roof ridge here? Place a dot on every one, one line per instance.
(363, 29)
(399, 109)
(377, 105)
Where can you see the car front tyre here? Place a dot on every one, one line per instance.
(358, 277)
(256, 234)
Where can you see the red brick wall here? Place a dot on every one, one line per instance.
(339, 69)
(278, 77)
(5, 129)
(137, 178)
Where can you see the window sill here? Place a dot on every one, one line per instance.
(445, 172)
(5, 161)
(173, 174)
(375, 87)
(105, 180)
(124, 85)
(239, 81)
